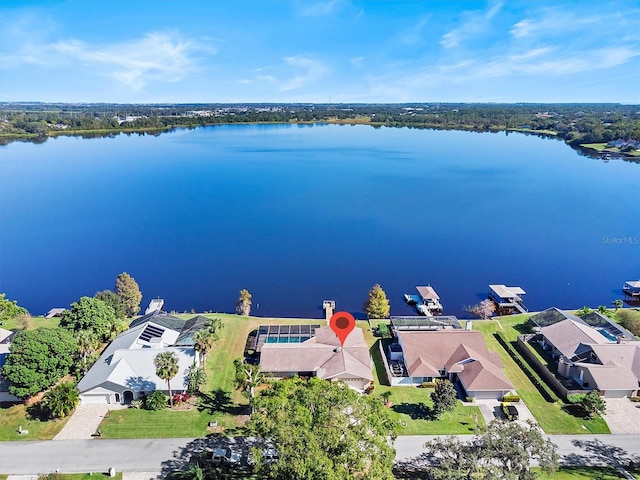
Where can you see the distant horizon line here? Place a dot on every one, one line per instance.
(38, 102)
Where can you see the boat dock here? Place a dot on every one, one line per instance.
(508, 300)
(427, 302)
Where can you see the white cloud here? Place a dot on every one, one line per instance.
(474, 23)
(156, 56)
(357, 61)
(312, 71)
(322, 8)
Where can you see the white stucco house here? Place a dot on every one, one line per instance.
(125, 371)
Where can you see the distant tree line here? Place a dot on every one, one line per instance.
(576, 124)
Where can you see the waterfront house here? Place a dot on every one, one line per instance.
(126, 371)
(312, 350)
(460, 356)
(591, 350)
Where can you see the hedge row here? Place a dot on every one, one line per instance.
(542, 387)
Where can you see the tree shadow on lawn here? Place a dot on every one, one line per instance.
(219, 401)
(417, 411)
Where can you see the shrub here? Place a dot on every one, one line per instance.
(383, 328)
(470, 399)
(138, 404)
(156, 401)
(428, 384)
(511, 398)
(180, 398)
(635, 399)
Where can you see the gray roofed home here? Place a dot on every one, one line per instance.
(321, 356)
(552, 315)
(126, 371)
(595, 353)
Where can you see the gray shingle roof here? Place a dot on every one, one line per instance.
(160, 318)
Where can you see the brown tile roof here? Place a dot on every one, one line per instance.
(321, 354)
(462, 352)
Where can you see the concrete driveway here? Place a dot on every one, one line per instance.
(490, 410)
(623, 415)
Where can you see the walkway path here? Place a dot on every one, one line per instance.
(84, 422)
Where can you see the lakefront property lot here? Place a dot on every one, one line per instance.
(222, 403)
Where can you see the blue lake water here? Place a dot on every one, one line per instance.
(298, 214)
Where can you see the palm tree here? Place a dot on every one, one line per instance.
(602, 309)
(583, 311)
(203, 342)
(166, 368)
(61, 400)
(196, 377)
(617, 304)
(87, 344)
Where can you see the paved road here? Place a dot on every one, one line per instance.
(164, 455)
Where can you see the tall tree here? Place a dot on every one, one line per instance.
(324, 430)
(377, 304)
(9, 309)
(38, 359)
(129, 291)
(243, 305)
(205, 338)
(166, 368)
(114, 301)
(87, 345)
(89, 314)
(444, 397)
(248, 377)
(503, 451)
(61, 400)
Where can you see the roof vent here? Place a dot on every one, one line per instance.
(337, 349)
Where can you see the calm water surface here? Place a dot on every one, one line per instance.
(298, 214)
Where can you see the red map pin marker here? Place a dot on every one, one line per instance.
(342, 323)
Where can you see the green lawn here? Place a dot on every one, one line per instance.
(12, 417)
(551, 416)
(584, 473)
(26, 322)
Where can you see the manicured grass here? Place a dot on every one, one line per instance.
(582, 473)
(82, 476)
(133, 423)
(220, 401)
(411, 407)
(551, 416)
(12, 417)
(27, 322)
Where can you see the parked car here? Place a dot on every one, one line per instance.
(269, 456)
(224, 455)
(509, 410)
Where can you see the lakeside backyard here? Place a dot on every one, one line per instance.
(222, 403)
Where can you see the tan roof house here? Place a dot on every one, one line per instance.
(323, 357)
(593, 357)
(458, 355)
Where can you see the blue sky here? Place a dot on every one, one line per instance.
(320, 51)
